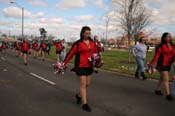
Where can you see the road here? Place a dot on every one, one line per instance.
(34, 90)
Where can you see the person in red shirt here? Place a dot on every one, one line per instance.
(164, 56)
(100, 49)
(17, 48)
(25, 50)
(58, 49)
(35, 48)
(83, 49)
(43, 49)
(99, 45)
(3, 46)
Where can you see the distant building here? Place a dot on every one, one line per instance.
(154, 41)
(123, 40)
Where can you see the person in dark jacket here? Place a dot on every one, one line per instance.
(83, 49)
(48, 48)
(164, 55)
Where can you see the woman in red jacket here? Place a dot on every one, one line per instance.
(18, 48)
(164, 56)
(35, 48)
(83, 49)
(43, 49)
(3, 46)
(25, 50)
(58, 49)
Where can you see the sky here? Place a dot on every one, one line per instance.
(64, 18)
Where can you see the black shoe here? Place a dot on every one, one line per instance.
(86, 107)
(78, 99)
(95, 71)
(169, 98)
(43, 60)
(144, 78)
(158, 92)
(25, 64)
(136, 75)
(143, 75)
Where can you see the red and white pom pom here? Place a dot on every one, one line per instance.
(96, 60)
(150, 69)
(59, 68)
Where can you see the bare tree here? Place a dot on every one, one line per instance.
(133, 18)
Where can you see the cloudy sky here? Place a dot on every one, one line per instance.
(64, 18)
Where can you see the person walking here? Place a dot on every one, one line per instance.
(35, 48)
(173, 83)
(25, 50)
(164, 55)
(83, 49)
(59, 48)
(3, 46)
(100, 50)
(48, 48)
(43, 49)
(63, 52)
(140, 51)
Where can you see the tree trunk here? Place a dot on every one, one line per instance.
(129, 51)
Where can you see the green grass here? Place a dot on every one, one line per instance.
(117, 61)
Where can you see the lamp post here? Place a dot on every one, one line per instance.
(22, 16)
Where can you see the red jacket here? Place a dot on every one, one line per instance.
(25, 46)
(99, 47)
(43, 46)
(35, 46)
(17, 45)
(59, 47)
(3, 46)
(82, 52)
(164, 56)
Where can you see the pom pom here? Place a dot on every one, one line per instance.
(150, 69)
(59, 68)
(96, 60)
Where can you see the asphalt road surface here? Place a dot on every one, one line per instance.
(34, 90)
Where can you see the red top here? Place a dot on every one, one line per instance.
(82, 52)
(3, 46)
(58, 46)
(25, 46)
(35, 45)
(164, 55)
(99, 47)
(18, 45)
(43, 46)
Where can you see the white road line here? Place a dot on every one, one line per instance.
(43, 79)
(4, 70)
(3, 58)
